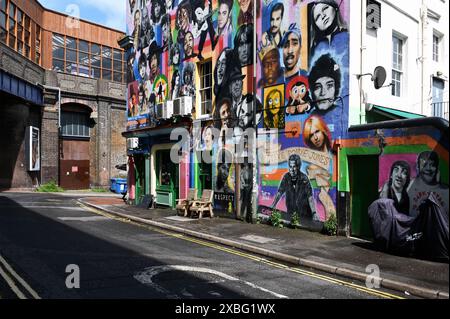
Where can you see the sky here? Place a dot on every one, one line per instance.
(110, 13)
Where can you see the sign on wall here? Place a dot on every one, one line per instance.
(32, 149)
(373, 14)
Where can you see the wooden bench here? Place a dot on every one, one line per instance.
(205, 204)
(183, 204)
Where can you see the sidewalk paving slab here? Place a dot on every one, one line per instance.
(347, 257)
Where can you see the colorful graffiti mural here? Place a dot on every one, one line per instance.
(302, 80)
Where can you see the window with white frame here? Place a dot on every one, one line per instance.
(206, 87)
(436, 44)
(397, 65)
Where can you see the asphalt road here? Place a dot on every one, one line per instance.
(46, 240)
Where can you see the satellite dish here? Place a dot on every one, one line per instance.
(379, 77)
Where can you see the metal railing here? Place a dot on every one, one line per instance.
(440, 109)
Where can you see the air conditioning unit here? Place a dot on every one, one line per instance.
(161, 111)
(182, 105)
(132, 143)
(168, 105)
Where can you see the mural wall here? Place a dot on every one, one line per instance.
(173, 43)
(302, 82)
(410, 214)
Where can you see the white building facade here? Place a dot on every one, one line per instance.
(409, 39)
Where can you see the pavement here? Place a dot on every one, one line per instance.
(351, 258)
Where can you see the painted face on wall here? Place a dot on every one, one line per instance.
(208, 138)
(291, 51)
(428, 170)
(271, 67)
(137, 19)
(324, 16)
(399, 177)
(225, 114)
(154, 65)
(183, 18)
(224, 171)
(236, 89)
(224, 14)
(275, 21)
(221, 68)
(293, 169)
(316, 136)
(244, 50)
(274, 102)
(142, 69)
(199, 14)
(169, 4)
(324, 92)
(244, 115)
(176, 55)
(189, 44)
(165, 32)
(298, 92)
(157, 9)
(244, 4)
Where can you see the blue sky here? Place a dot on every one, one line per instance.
(109, 13)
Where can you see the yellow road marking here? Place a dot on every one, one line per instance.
(233, 251)
(12, 284)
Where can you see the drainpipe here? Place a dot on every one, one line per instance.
(423, 21)
(361, 51)
(254, 134)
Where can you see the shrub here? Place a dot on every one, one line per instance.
(275, 219)
(295, 220)
(50, 187)
(330, 226)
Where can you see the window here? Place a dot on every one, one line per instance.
(436, 43)
(87, 59)
(397, 65)
(206, 88)
(75, 124)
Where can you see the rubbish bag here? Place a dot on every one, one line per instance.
(391, 229)
(432, 223)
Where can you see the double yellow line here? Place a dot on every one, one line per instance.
(17, 284)
(233, 251)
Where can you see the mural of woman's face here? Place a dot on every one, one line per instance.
(165, 32)
(399, 177)
(224, 169)
(323, 15)
(221, 68)
(274, 102)
(316, 137)
(244, 4)
(208, 138)
(224, 14)
(324, 91)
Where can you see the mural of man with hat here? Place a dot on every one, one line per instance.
(235, 85)
(271, 69)
(292, 45)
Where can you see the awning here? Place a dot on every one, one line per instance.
(393, 113)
